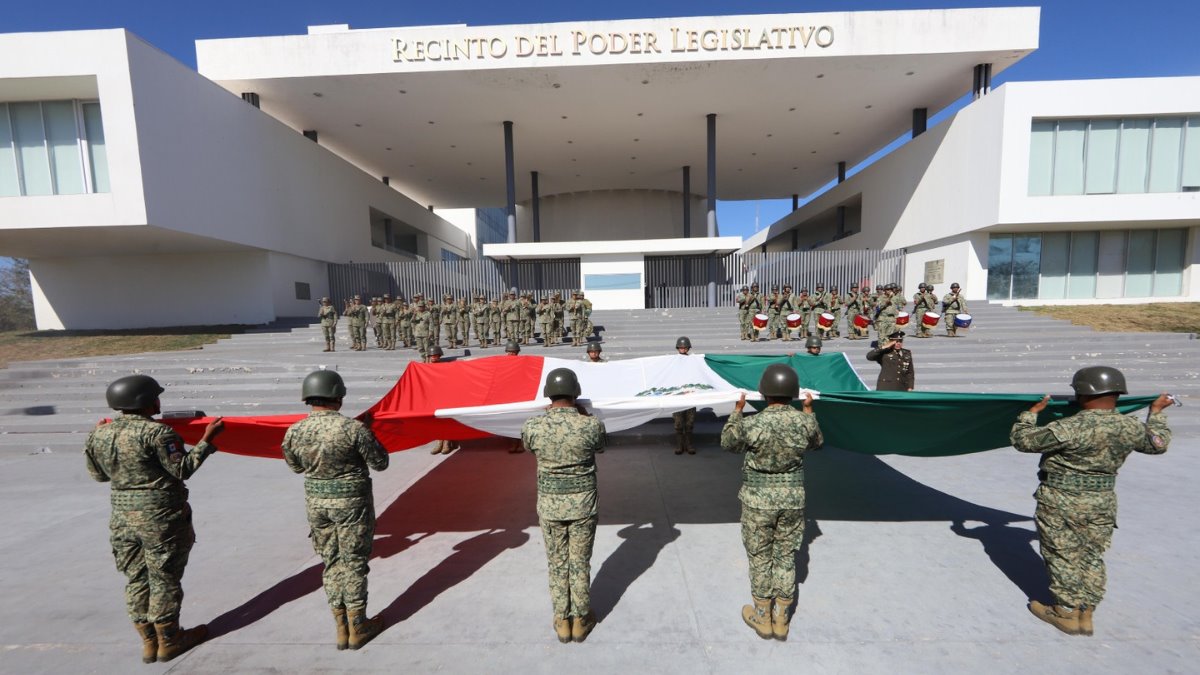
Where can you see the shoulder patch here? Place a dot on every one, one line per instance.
(1156, 440)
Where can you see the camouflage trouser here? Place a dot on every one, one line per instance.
(771, 538)
(774, 323)
(544, 330)
(513, 328)
(481, 334)
(526, 328)
(378, 330)
(422, 344)
(151, 548)
(405, 333)
(685, 421)
(578, 325)
(1075, 529)
(464, 332)
(389, 334)
(494, 331)
(450, 332)
(744, 324)
(358, 334)
(342, 532)
(569, 558)
(948, 318)
(556, 331)
(330, 333)
(885, 326)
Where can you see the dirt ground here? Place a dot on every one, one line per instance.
(58, 344)
(1168, 317)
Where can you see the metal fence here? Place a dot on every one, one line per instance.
(458, 277)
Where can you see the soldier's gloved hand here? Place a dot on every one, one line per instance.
(1040, 405)
(1161, 403)
(213, 430)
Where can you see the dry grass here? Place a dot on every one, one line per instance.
(1165, 317)
(67, 344)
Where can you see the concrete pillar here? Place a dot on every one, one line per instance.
(712, 206)
(981, 83)
(510, 183)
(251, 98)
(537, 207)
(920, 119)
(795, 202)
(841, 172)
(687, 202)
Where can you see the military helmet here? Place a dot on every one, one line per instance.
(387, 296)
(812, 341)
(132, 392)
(879, 287)
(853, 287)
(754, 285)
(1096, 380)
(954, 285)
(358, 297)
(324, 300)
(804, 291)
(561, 382)
(581, 294)
(447, 297)
(779, 380)
(775, 287)
(745, 288)
(512, 346)
(322, 384)
(820, 285)
(683, 342)
(435, 351)
(833, 289)
(593, 347)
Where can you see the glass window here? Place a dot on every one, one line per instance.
(1056, 253)
(1068, 157)
(1102, 156)
(1041, 158)
(1082, 282)
(1026, 263)
(62, 138)
(1168, 265)
(97, 158)
(1000, 249)
(1164, 154)
(1139, 265)
(1132, 162)
(1111, 264)
(10, 184)
(30, 139)
(1191, 154)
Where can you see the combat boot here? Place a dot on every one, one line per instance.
(149, 641)
(781, 617)
(758, 617)
(679, 443)
(362, 629)
(343, 628)
(173, 640)
(1066, 620)
(687, 444)
(581, 626)
(328, 347)
(562, 628)
(1085, 619)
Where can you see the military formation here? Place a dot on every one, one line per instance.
(419, 323)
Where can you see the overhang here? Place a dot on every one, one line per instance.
(576, 249)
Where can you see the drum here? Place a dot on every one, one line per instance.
(862, 321)
(962, 321)
(794, 321)
(902, 319)
(825, 320)
(760, 321)
(930, 319)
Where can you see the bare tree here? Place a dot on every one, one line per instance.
(16, 296)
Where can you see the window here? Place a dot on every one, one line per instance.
(52, 148)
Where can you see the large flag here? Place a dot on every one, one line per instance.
(493, 396)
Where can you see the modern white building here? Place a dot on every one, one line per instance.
(148, 194)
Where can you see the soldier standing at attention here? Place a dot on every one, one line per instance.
(334, 453)
(558, 312)
(564, 441)
(953, 304)
(740, 300)
(421, 325)
(464, 322)
(854, 307)
(886, 310)
(151, 526)
(376, 326)
(328, 317)
(526, 314)
(896, 371)
(387, 322)
(512, 317)
(772, 494)
(593, 354)
(1076, 502)
(356, 313)
(544, 319)
(404, 321)
(495, 320)
(774, 310)
(479, 314)
(754, 305)
(685, 420)
(449, 319)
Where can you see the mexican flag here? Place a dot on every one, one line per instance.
(493, 396)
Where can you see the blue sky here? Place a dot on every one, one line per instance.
(1096, 39)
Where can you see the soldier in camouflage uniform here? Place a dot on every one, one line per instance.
(557, 312)
(328, 317)
(151, 526)
(1076, 504)
(334, 453)
(593, 354)
(479, 315)
(511, 308)
(685, 420)
(564, 441)
(404, 322)
(387, 322)
(495, 320)
(422, 323)
(772, 494)
(356, 313)
(953, 304)
(887, 308)
(740, 301)
(525, 313)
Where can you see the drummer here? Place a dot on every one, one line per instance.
(923, 301)
(803, 305)
(787, 312)
(855, 304)
(836, 302)
(953, 304)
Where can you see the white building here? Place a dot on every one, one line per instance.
(147, 194)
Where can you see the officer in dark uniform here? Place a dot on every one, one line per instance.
(896, 362)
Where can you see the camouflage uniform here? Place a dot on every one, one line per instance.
(953, 304)
(1076, 504)
(772, 493)
(886, 310)
(387, 323)
(151, 524)
(564, 443)
(328, 317)
(357, 315)
(449, 319)
(422, 322)
(741, 300)
(495, 320)
(527, 317)
(511, 308)
(333, 452)
(479, 314)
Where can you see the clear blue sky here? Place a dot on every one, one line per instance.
(1079, 39)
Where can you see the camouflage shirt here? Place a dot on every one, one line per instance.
(565, 444)
(1090, 441)
(327, 444)
(327, 315)
(138, 453)
(774, 442)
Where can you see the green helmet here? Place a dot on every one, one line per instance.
(812, 341)
(683, 343)
(512, 346)
(561, 382)
(779, 380)
(435, 351)
(1095, 380)
(593, 347)
(323, 384)
(132, 392)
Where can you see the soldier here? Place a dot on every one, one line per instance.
(356, 313)
(855, 305)
(335, 454)
(774, 312)
(373, 320)
(442, 447)
(588, 328)
(896, 364)
(836, 303)
(526, 313)
(593, 354)
(740, 301)
(1076, 502)
(404, 321)
(787, 305)
(564, 441)
(151, 525)
(512, 348)
(819, 301)
(772, 494)
(812, 345)
(387, 322)
(886, 310)
(685, 420)
(511, 309)
(544, 318)
(479, 314)
(920, 306)
(579, 321)
(421, 325)
(495, 320)
(803, 305)
(754, 305)
(449, 320)
(464, 322)
(953, 304)
(328, 317)
(435, 321)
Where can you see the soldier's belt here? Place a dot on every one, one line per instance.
(139, 500)
(1079, 481)
(565, 485)
(753, 478)
(337, 488)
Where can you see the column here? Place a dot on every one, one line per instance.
(537, 207)
(712, 206)
(920, 118)
(795, 202)
(841, 172)
(687, 202)
(510, 183)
